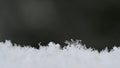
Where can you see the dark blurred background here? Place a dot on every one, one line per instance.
(28, 22)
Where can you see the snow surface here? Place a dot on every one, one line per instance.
(74, 55)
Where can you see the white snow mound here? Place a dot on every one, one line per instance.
(73, 56)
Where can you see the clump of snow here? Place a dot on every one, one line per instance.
(75, 55)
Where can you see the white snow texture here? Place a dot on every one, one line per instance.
(74, 55)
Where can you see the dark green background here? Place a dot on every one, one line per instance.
(96, 22)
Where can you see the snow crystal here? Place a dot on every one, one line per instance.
(75, 55)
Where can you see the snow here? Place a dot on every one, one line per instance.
(75, 55)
